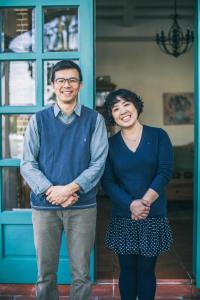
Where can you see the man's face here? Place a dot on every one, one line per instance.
(66, 90)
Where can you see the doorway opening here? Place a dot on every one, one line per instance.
(128, 57)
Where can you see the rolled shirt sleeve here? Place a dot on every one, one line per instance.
(29, 167)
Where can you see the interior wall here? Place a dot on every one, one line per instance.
(144, 69)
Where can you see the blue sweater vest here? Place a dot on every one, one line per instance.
(64, 153)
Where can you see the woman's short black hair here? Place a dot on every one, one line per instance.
(126, 95)
(65, 64)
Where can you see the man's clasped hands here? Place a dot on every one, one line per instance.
(63, 195)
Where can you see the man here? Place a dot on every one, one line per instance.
(65, 149)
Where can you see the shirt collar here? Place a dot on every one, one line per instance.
(77, 109)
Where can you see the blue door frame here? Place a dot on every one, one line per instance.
(196, 224)
(17, 253)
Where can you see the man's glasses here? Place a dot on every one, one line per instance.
(70, 81)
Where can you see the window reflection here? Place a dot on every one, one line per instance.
(60, 29)
(16, 197)
(18, 82)
(17, 29)
(13, 130)
(49, 95)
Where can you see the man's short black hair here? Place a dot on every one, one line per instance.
(65, 64)
(126, 95)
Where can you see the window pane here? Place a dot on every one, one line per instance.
(16, 197)
(13, 130)
(49, 95)
(17, 29)
(60, 29)
(18, 82)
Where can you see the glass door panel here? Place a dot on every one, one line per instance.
(49, 95)
(16, 197)
(17, 29)
(60, 29)
(13, 130)
(18, 83)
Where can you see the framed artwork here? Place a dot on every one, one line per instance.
(178, 108)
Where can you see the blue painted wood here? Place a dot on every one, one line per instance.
(16, 217)
(18, 241)
(18, 254)
(196, 235)
(1, 140)
(9, 162)
(17, 251)
(1, 208)
(18, 56)
(87, 52)
(61, 55)
(29, 3)
(19, 109)
(44, 56)
(16, 270)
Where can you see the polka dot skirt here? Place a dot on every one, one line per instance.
(149, 237)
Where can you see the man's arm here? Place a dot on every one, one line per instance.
(29, 168)
(99, 150)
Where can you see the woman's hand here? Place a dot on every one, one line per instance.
(139, 209)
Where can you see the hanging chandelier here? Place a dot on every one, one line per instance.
(175, 42)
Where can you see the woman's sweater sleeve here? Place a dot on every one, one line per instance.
(113, 189)
(165, 163)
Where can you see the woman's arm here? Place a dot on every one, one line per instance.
(165, 165)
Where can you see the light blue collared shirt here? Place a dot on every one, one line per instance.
(89, 178)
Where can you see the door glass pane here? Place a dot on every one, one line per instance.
(18, 82)
(49, 95)
(13, 130)
(16, 197)
(60, 29)
(17, 29)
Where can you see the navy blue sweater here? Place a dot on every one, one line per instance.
(128, 175)
(64, 153)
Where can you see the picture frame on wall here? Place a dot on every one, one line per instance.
(178, 108)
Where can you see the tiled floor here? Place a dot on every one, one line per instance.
(175, 264)
(94, 298)
(61, 298)
(174, 269)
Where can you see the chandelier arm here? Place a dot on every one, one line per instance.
(187, 47)
(163, 47)
(175, 43)
(165, 50)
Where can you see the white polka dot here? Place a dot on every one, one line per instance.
(149, 237)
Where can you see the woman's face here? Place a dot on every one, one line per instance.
(124, 113)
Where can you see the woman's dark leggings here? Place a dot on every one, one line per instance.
(137, 277)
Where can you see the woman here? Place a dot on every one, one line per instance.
(138, 167)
